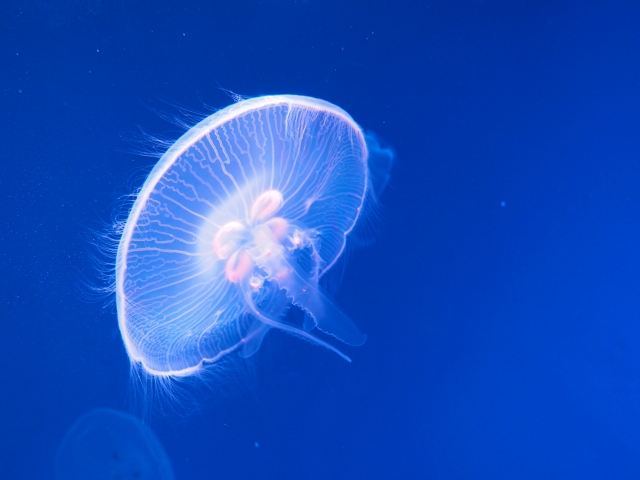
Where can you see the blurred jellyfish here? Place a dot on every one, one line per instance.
(235, 226)
(106, 444)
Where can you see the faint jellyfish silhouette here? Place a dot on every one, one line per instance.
(234, 226)
(106, 444)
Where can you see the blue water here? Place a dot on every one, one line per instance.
(500, 299)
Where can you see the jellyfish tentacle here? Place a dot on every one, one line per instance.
(253, 340)
(269, 255)
(246, 291)
(270, 302)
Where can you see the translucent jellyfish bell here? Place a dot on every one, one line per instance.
(235, 224)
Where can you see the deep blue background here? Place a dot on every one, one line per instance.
(504, 341)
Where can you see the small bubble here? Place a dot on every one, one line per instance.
(503, 204)
(256, 444)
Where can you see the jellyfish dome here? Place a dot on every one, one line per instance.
(236, 224)
(106, 444)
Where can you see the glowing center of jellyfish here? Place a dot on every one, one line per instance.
(232, 237)
(262, 257)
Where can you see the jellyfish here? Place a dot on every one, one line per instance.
(234, 227)
(107, 444)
